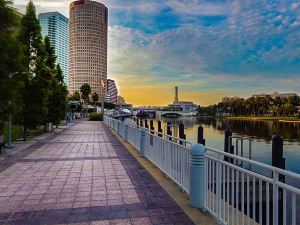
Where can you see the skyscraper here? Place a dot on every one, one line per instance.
(112, 91)
(55, 26)
(88, 45)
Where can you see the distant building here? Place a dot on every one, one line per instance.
(107, 97)
(228, 99)
(55, 26)
(121, 100)
(184, 106)
(88, 45)
(176, 94)
(125, 106)
(112, 91)
(275, 94)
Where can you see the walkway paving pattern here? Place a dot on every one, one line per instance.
(82, 175)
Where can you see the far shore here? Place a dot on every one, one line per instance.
(266, 118)
(259, 118)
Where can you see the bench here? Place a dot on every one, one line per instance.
(2, 142)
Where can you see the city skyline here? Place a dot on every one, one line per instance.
(209, 49)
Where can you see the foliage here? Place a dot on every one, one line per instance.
(37, 80)
(95, 98)
(10, 62)
(16, 133)
(255, 106)
(85, 90)
(50, 54)
(57, 102)
(96, 116)
(74, 97)
(30, 36)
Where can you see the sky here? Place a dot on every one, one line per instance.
(208, 48)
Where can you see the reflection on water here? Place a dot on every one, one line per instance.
(259, 131)
(262, 130)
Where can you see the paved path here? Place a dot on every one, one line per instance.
(82, 175)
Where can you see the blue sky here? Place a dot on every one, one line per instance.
(209, 48)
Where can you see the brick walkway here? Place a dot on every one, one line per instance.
(82, 175)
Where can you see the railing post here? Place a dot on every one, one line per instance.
(169, 131)
(219, 185)
(142, 141)
(279, 162)
(277, 154)
(275, 198)
(227, 145)
(181, 133)
(151, 126)
(141, 122)
(159, 128)
(126, 132)
(200, 135)
(146, 124)
(118, 127)
(137, 121)
(197, 176)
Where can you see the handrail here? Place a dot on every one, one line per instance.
(265, 166)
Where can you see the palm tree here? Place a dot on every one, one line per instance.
(95, 98)
(85, 90)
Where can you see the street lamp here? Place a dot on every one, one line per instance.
(102, 97)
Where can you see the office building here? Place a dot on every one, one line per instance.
(112, 91)
(88, 46)
(275, 94)
(55, 26)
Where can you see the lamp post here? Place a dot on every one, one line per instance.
(102, 97)
(9, 145)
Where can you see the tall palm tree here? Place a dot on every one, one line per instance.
(85, 90)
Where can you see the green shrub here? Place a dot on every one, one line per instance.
(96, 116)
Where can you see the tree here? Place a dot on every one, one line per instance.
(30, 36)
(85, 90)
(36, 83)
(50, 54)
(75, 96)
(10, 63)
(57, 103)
(59, 75)
(57, 93)
(95, 98)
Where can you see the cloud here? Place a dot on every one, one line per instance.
(222, 46)
(196, 7)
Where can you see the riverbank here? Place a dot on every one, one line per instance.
(265, 118)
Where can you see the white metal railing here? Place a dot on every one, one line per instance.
(170, 154)
(170, 157)
(235, 195)
(134, 136)
(235, 190)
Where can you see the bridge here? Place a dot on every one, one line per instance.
(175, 113)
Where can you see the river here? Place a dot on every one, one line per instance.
(259, 131)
